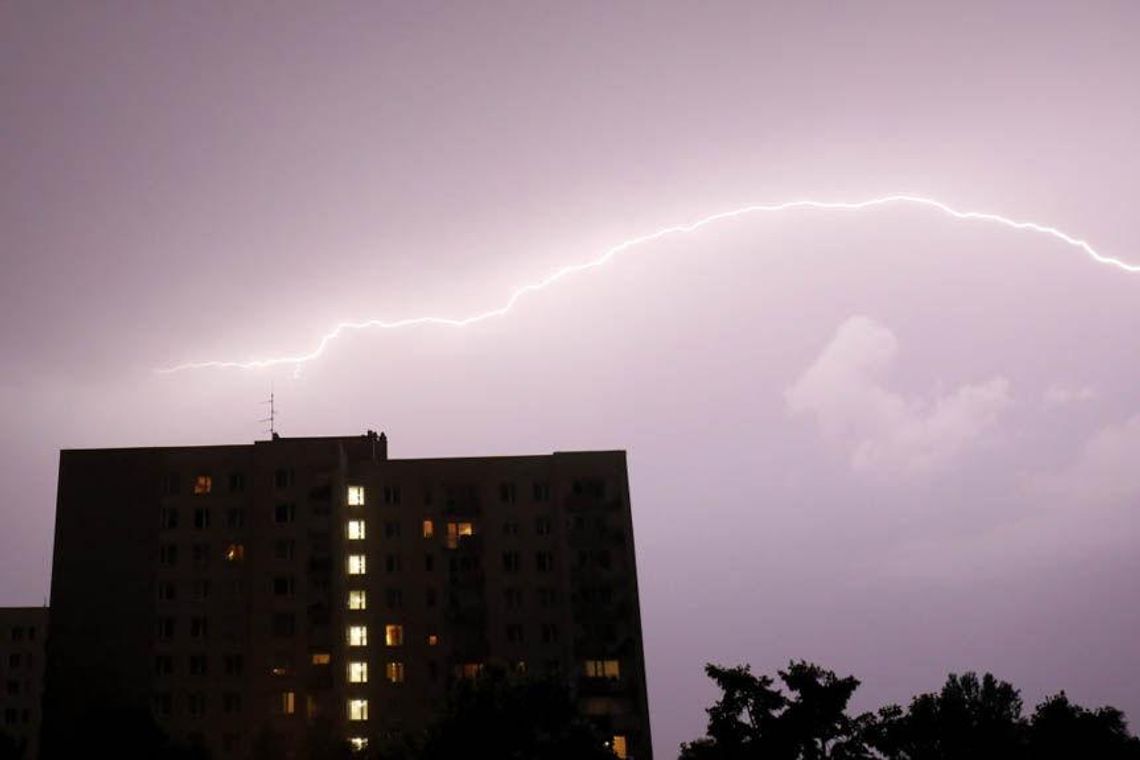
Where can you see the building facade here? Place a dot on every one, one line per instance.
(257, 595)
(22, 634)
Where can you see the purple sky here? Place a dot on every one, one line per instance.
(890, 442)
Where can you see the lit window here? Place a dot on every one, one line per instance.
(357, 600)
(321, 658)
(432, 640)
(288, 700)
(358, 672)
(429, 529)
(356, 496)
(394, 672)
(356, 564)
(602, 669)
(235, 553)
(619, 747)
(357, 635)
(358, 709)
(202, 484)
(394, 635)
(468, 670)
(455, 531)
(355, 530)
(358, 743)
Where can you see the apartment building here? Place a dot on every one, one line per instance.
(248, 595)
(22, 634)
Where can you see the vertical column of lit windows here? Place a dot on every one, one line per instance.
(356, 565)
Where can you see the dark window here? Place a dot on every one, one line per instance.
(284, 513)
(283, 586)
(544, 561)
(394, 598)
(163, 703)
(231, 702)
(511, 562)
(198, 664)
(163, 665)
(201, 518)
(164, 628)
(430, 597)
(171, 484)
(199, 627)
(549, 633)
(429, 562)
(197, 705)
(547, 597)
(235, 518)
(391, 530)
(14, 660)
(169, 518)
(602, 557)
(201, 589)
(237, 482)
(515, 633)
(283, 478)
(542, 526)
(392, 563)
(510, 528)
(200, 553)
(234, 664)
(513, 597)
(168, 554)
(166, 592)
(541, 491)
(507, 493)
(391, 494)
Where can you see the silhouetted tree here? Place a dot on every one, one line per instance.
(752, 719)
(968, 719)
(1060, 729)
(502, 715)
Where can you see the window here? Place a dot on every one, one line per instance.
(358, 672)
(513, 597)
(358, 743)
(171, 484)
(235, 553)
(429, 562)
(200, 554)
(394, 598)
(549, 633)
(197, 705)
(203, 484)
(283, 478)
(283, 549)
(429, 597)
(432, 640)
(170, 518)
(166, 591)
(456, 531)
(163, 703)
(357, 635)
(547, 597)
(391, 529)
(391, 494)
(357, 600)
(542, 526)
(507, 493)
(163, 665)
(237, 482)
(235, 518)
(510, 528)
(515, 633)
(164, 628)
(602, 669)
(197, 664)
(234, 664)
(288, 702)
(544, 561)
(511, 562)
(358, 709)
(619, 747)
(168, 554)
(541, 491)
(429, 529)
(394, 635)
(231, 702)
(284, 513)
(321, 658)
(394, 672)
(356, 496)
(283, 586)
(392, 563)
(468, 670)
(355, 530)
(14, 660)
(199, 627)
(356, 564)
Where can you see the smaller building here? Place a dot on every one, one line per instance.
(22, 634)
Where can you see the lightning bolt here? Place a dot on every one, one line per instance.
(609, 254)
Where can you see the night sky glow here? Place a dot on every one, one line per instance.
(893, 442)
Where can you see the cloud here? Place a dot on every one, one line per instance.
(844, 390)
(1060, 395)
(1103, 472)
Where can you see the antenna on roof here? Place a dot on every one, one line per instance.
(272, 418)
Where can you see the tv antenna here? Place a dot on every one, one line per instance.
(272, 418)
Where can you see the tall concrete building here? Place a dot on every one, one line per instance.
(250, 593)
(22, 633)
